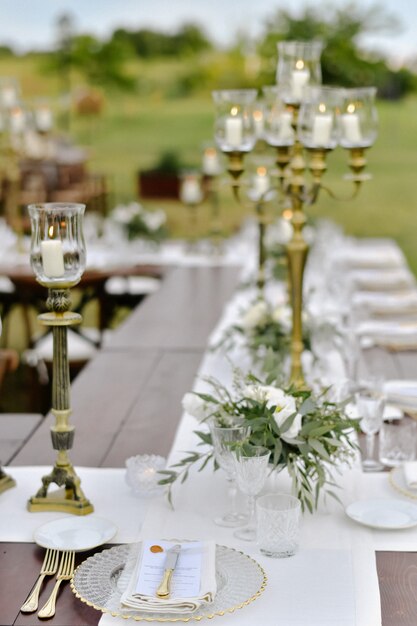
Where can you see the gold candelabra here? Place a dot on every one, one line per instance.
(304, 126)
(58, 259)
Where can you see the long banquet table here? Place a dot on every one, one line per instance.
(127, 401)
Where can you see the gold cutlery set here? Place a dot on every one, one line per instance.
(63, 568)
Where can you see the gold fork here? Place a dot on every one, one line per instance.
(65, 572)
(49, 568)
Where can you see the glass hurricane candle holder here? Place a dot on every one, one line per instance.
(278, 118)
(317, 126)
(57, 254)
(358, 120)
(298, 67)
(235, 125)
(9, 92)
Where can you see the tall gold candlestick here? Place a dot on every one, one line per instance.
(58, 260)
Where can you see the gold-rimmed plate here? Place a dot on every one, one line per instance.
(397, 481)
(100, 581)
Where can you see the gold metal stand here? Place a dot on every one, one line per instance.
(6, 481)
(70, 497)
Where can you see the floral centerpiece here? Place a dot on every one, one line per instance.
(265, 332)
(309, 436)
(139, 223)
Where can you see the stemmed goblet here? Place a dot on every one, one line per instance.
(251, 465)
(370, 403)
(223, 439)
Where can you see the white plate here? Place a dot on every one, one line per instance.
(402, 393)
(389, 514)
(75, 533)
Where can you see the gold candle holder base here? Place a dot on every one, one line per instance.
(6, 481)
(70, 497)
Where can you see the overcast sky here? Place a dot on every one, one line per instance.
(30, 23)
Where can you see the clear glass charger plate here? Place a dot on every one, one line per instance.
(101, 579)
(397, 481)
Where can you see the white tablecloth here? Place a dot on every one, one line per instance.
(331, 581)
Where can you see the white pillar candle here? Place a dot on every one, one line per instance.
(261, 182)
(258, 121)
(299, 79)
(17, 121)
(211, 164)
(233, 131)
(285, 129)
(322, 128)
(351, 128)
(52, 258)
(190, 192)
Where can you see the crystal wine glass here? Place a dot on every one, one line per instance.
(223, 440)
(251, 465)
(370, 403)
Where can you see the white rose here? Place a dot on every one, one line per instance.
(195, 406)
(283, 315)
(255, 392)
(255, 316)
(285, 406)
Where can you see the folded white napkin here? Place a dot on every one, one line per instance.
(401, 392)
(381, 279)
(410, 474)
(391, 335)
(193, 581)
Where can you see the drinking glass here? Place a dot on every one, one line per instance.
(278, 524)
(223, 440)
(251, 466)
(397, 442)
(370, 403)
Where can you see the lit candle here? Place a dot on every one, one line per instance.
(299, 79)
(261, 181)
(258, 120)
(233, 129)
(52, 257)
(211, 164)
(351, 127)
(285, 129)
(322, 128)
(17, 120)
(190, 192)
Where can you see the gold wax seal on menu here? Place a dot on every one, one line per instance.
(156, 548)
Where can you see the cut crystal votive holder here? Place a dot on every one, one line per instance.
(278, 518)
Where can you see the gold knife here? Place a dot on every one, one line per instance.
(164, 588)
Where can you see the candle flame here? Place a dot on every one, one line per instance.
(51, 232)
(210, 151)
(350, 108)
(234, 111)
(299, 64)
(261, 171)
(322, 107)
(287, 214)
(258, 115)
